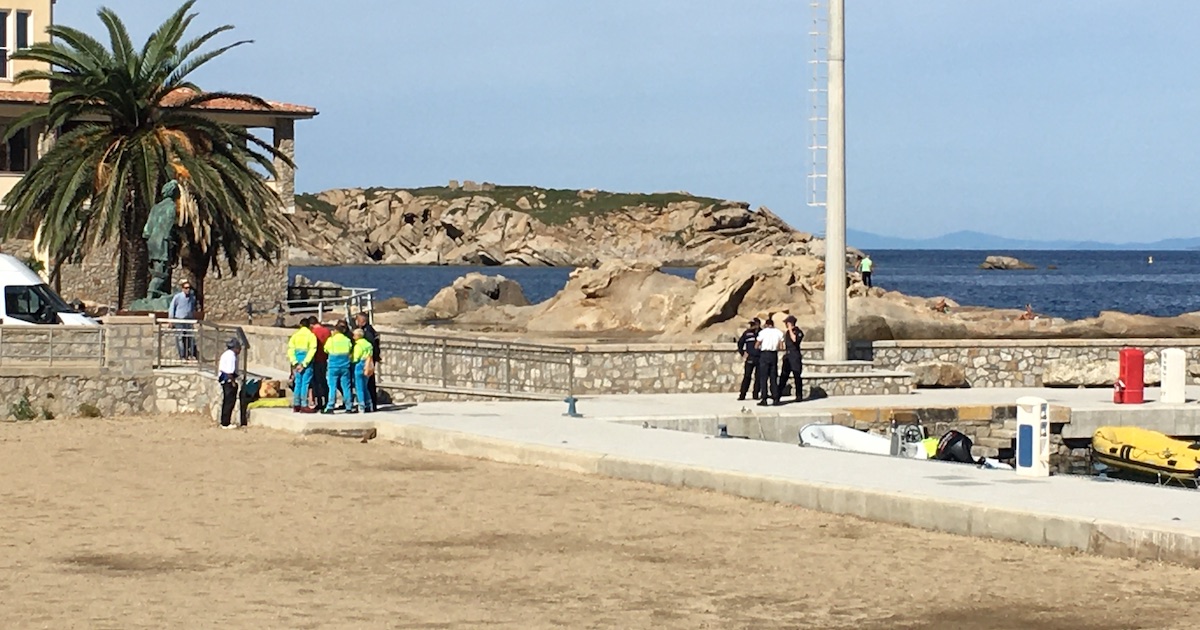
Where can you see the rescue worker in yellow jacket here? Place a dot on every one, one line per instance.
(339, 348)
(362, 356)
(302, 349)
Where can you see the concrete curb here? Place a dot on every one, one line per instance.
(1101, 538)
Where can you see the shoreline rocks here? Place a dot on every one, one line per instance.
(1005, 263)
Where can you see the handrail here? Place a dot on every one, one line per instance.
(354, 299)
(484, 366)
(500, 343)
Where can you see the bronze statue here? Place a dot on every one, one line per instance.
(161, 243)
(160, 240)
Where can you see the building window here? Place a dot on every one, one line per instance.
(16, 32)
(4, 49)
(14, 154)
(23, 29)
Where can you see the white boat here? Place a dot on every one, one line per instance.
(842, 438)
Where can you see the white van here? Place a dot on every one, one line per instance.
(28, 301)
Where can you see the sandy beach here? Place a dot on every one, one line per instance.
(170, 522)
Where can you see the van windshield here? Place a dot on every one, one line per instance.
(36, 304)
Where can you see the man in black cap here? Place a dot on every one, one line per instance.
(227, 376)
(793, 363)
(748, 350)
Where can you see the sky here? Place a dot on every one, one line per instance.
(1073, 119)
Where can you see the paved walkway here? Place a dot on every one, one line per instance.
(1110, 518)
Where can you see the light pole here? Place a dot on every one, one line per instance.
(835, 207)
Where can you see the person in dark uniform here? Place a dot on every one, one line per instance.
(748, 349)
(793, 363)
(770, 342)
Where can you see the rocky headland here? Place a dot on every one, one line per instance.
(626, 300)
(751, 264)
(483, 224)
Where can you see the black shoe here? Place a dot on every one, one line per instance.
(742, 397)
(778, 402)
(352, 411)
(762, 403)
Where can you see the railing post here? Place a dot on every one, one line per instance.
(571, 372)
(508, 367)
(443, 340)
(50, 345)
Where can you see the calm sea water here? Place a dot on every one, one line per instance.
(1082, 284)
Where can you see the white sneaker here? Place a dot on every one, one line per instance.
(229, 426)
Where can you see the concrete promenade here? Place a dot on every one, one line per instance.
(615, 439)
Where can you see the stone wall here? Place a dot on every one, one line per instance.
(225, 295)
(55, 393)
(1027, 362)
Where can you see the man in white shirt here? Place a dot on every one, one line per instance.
(770, 342)
(227, 368)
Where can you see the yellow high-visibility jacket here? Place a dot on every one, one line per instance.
(362, 350)
(303, 340)
(338, 347)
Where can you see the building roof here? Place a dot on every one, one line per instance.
(174, 98)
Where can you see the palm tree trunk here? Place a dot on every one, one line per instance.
(134, 255)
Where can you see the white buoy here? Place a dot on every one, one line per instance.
(1149, 260)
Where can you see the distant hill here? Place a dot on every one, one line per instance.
(967, 239)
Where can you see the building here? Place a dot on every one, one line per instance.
(23, 22)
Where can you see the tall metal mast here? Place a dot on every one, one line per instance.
(827, 147)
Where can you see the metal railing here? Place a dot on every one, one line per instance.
(322, 300)
(476, 365)
(198, 344)
(46, 346)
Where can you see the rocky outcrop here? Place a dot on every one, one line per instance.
(616, 296)
(754, 285)
(510, 225)
(474, 291)
(1004, 262)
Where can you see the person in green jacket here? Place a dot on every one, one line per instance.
(302, 349)
(362, 355)
(338, 348)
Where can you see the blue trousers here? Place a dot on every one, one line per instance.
(303, 379)
(338, 377)
(362, 395)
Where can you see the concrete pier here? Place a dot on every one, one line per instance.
(616, 438)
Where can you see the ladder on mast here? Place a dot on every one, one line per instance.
(818, 108)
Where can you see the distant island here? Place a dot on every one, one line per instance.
(968, 239)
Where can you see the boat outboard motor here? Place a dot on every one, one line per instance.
(955, 447)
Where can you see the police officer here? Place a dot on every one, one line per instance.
(793, 363)
(748, 349)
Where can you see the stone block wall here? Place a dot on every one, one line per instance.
(1017, 362)
(61, 394)
(225, 296)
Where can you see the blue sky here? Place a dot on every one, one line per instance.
(1024, 118)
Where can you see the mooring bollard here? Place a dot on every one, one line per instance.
(571, 400)
(723, 431)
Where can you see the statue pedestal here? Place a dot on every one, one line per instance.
(154, 305)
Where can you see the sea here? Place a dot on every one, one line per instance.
(1070, 284)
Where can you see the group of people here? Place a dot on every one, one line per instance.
(326, 361)
(759, 347)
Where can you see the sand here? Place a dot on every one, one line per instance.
(170, 522)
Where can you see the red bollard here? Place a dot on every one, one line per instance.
(1132, 365)
(1119, 392)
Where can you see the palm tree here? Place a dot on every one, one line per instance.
(128, 124)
